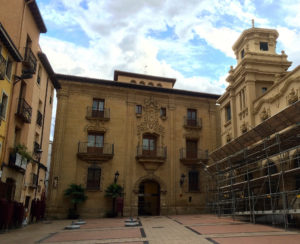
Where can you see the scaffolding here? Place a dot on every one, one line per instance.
(257, 176)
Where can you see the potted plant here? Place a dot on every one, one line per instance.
(77, 195)
(20, 156)
(114, 191)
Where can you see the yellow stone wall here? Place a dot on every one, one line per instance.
(124, 130)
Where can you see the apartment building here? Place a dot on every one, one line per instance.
(24, 153)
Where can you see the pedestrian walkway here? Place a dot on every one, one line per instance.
(185, 229)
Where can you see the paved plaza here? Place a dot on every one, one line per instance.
(160, 229)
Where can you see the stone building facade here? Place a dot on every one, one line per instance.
(155, 138)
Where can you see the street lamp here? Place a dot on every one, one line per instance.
(116, 176)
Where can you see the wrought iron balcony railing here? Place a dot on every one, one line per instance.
(157, 153)
(2, 67)
(95, 152)
(193, 123)
(98, 114)
(29, 61)
(24, 110)
(193, 156)
(39, 118)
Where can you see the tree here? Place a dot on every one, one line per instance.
(113, 191)
(77, 195)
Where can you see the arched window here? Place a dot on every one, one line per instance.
(150, 84)
(142, 82)
(133, 81)
(159, 85)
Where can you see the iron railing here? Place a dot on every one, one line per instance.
(30, 61)
(158, 152)
(96, 149)
(190, 154)
(24, 110)
(99, 114)
(196, 123)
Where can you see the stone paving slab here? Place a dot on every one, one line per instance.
(93, 235)
(245, 228)
(154, 230)
(287, 239)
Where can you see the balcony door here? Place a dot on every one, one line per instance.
(191, 117)
(98, 108)
(149, 145)
(95, 143)
(191, 149)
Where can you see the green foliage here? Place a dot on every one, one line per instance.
(76, 193)
(114, 190)
(23, 151)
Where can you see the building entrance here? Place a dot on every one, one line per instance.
(149, 198)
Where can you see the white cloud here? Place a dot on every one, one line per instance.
(118, 33)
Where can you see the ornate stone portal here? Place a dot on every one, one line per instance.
(150, 125)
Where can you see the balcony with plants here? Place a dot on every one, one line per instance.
(19, 157)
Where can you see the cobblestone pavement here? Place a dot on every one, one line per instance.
(183, 229)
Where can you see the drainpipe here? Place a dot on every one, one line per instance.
(42, 135)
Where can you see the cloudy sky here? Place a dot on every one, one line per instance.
(190, 40)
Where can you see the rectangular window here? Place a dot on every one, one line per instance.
(263, 46)
(163, 112)
(191, 117)
(191, 149)
(93, 178)
(264, 89)
(242, 54)
(193, 181)
(8, 68)
(98, 108)
(95, 143)
(227, 112)
(38, 79)
(138, 109)
(149, 145)
(3, 106)
(2, 67)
